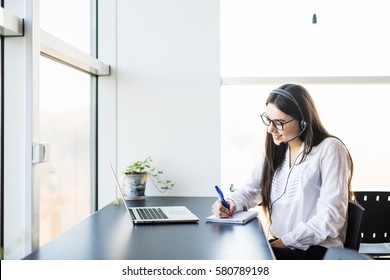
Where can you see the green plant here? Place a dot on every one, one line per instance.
(147, 166)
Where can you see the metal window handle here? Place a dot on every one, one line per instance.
(40, 153)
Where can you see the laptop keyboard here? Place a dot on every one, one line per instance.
(151, 213)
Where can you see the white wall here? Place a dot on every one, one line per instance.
(107, 101)
(168, 91)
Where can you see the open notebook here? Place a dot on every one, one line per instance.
(241, 217)
(156, 214)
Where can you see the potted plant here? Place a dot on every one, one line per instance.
(135, 177)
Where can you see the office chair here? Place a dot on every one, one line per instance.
(354, 228)
(376, 226)
(337, 253)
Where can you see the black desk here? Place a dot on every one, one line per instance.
(109, 234)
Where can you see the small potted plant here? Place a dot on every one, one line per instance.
(135, 177)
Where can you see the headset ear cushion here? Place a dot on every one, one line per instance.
(303, 124)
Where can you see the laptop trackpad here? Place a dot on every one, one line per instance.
(176, 212)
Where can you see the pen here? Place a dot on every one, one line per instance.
(222, 199)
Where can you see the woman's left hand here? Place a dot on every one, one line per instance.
(278, 244)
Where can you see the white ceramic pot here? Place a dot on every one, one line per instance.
(133, 186)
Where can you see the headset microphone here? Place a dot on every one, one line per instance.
(303, 128)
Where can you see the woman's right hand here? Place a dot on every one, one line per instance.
(221, 211)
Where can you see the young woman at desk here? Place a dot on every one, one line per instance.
(303, 181)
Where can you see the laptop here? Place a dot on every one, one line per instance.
(156, 214)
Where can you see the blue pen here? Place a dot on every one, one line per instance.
(222, 198)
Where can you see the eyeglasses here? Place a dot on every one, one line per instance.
(279, 125)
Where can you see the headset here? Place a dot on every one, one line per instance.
(303, 125)
(289, 96)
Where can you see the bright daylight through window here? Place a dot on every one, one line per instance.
(65, 122)
(263, 39)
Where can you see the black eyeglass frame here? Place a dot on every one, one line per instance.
(267, 121)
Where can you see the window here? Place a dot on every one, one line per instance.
(354, 113)
(68, 20)
(261, 38)
(342, 62)
(65, 122)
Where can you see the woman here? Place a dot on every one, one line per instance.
(303, 181)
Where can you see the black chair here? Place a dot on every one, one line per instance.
(354, 229)
(376, 226)
(337, 253)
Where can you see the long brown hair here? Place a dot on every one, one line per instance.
(313, 134)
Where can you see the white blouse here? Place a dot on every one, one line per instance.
(309, 200)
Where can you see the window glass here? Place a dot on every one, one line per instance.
(262, 38)
(64, 124)
(357, 114)
(277, 38)
(68, 20)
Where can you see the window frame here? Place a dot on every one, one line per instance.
(33, 43)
